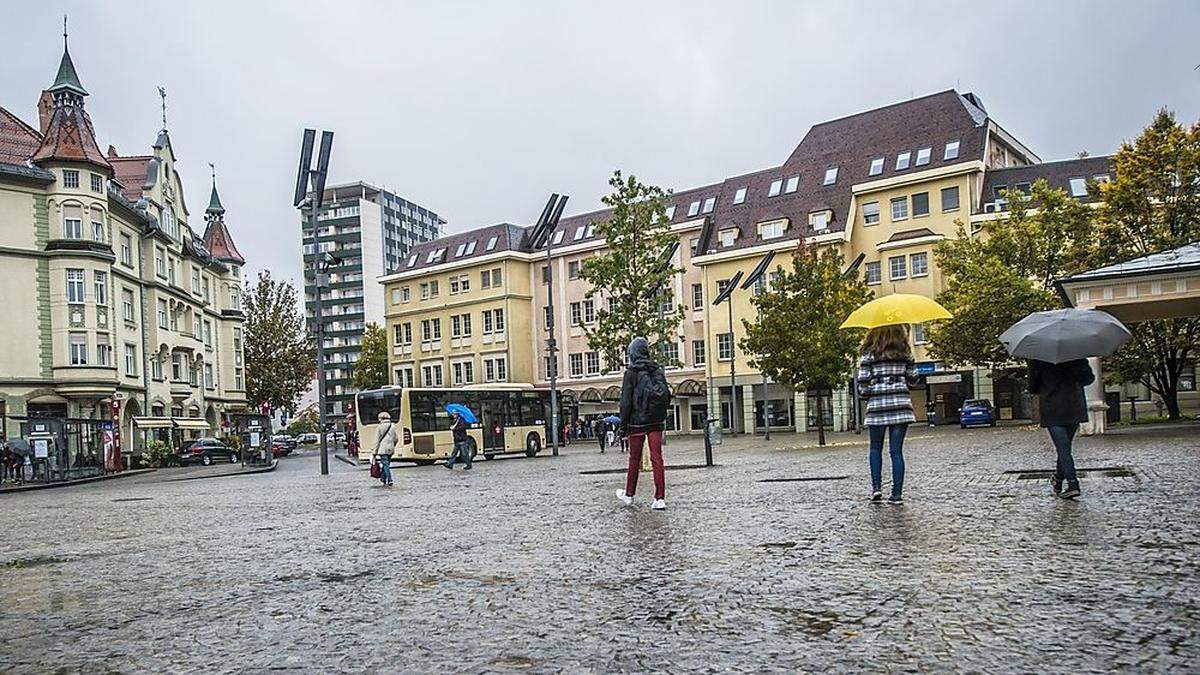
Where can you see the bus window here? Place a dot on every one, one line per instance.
(428, 410)
(371, 403)
(532, 411)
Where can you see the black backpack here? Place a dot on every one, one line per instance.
(652, 396)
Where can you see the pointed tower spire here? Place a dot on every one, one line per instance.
(214, 200)
(68, 135)
(67, 79)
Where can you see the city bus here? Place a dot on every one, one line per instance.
(512, 419)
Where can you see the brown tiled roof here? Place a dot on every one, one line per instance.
(130, 172)
(71, 138)
(219, 242)
(509, 237)
(905, 235)
(1057, 174)
(18, 140)
(849, 143)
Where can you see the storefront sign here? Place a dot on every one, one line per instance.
(926, 367)
(948, 378)
(116, 417)
(41, 448)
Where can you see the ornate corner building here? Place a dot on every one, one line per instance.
(119, 318)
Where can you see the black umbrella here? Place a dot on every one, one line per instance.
(20, 447)
(1065, 335)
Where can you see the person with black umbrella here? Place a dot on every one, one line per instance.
(1056, 345)
(1062, 407)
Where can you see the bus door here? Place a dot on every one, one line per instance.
(494, 421)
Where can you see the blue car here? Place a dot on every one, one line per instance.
(977, 412)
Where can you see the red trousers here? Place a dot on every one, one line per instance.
(656, 462)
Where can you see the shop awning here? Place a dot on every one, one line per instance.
(152, 422)
(190, 423)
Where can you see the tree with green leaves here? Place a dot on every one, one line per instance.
(280, 356)
(796, 340)
(632, 275)
(1153, 205)
(371, 369)
(996, 277)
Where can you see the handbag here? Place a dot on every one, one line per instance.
(376, 469)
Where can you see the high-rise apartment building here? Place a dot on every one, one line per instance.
(368, 231)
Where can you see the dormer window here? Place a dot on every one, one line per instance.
(670, 212)
(458, 252)
(709, 205)
(491, 243)
(772, 229)
(591, 230)
(412, 260)
(1078, 187)
(876, 167)
(432, 256)
(902, 160)
(792, 185)
(923, 156)
(776, 186)
(819, 220)
(694, 209)
(579, 233)
(728, 237)
(558, 237)
(830, 176)
(998, 191)
(739, 196)
(951, 150)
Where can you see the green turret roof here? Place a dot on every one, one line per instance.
(214, 201)
(67, 78)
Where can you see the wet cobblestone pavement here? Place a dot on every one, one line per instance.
(531, 566)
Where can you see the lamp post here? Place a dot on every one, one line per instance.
(309, 206)
(540, 236)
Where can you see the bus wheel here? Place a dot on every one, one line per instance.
(533, 445)
(472, 447)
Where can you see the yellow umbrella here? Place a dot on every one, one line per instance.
(897, 308)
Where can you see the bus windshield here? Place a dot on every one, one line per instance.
(371, 403)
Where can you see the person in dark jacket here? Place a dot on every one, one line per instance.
(462, 449)
(641, 421)
(1062, 406)
(598, 430)
(886, 372)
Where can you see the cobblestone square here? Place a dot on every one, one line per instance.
(530, 565)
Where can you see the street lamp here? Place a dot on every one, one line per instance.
(760, 270)
(309, 205)
(541, 235)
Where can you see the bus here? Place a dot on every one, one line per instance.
(511, 419)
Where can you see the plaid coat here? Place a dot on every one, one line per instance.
(884, 383)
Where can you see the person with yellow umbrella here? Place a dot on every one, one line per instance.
(886, 374)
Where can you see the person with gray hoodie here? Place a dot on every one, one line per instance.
(385, 446)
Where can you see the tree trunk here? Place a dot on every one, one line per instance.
(820, 422)
(1170, 399)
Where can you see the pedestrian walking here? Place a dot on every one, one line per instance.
(886, 373)
(598, 430)
(385, 446)
(1062, 406)
(644, 400)
(462, 449)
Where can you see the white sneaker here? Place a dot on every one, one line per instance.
(659, 505)
(625, 499)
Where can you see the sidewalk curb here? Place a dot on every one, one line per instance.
(78, 481)
(244, 472)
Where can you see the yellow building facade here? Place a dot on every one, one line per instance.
(884, 187)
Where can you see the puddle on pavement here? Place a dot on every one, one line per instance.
(34, 561)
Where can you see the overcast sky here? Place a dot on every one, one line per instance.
(478, 110)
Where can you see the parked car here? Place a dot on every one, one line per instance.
(977, 412)
(308, 439)
(206, 451)
(287, 442)
(336, 437)
(279, 448)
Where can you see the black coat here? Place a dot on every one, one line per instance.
(1059, 388)
(459, 426)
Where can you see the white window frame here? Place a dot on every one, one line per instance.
(953, 189)
(77, 348)
(830, 176)
(709, 205)
(876, 166)
(739, 196)
(792, 184)
(873, 274)
(903, 160)
(776, 188)
(870, 209)
(922, 256)
(904, 212)
(819, 220)
(897, 263)
(76, 292)
(1077, 186)
(923, 156)
(724, 346)
(72, 228)
(951, 151)
(694, 209)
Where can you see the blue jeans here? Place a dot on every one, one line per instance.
(895, 450)
(462, 452)
(385, 469)
(1062, 436)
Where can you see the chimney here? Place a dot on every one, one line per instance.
(112, 151)
(45, 109)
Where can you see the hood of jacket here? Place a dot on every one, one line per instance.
(639, 355)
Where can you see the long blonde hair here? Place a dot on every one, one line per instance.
(888, 343)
